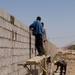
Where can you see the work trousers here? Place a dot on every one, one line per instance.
(63, 69)
(39, 44)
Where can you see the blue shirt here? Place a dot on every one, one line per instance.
(37, 27)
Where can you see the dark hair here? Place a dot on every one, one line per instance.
(39, 18)
(42, 24)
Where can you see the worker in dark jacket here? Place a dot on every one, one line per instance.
(62, 64)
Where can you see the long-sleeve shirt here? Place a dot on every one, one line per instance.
(60, 62)
(37, 27)
(44, 34)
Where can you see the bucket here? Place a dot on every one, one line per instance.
(56, 73)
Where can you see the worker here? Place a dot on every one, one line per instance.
(62, 64)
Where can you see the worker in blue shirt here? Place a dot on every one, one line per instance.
(36, 27)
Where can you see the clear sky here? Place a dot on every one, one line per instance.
(57, 15)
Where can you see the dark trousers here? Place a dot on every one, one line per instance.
(63, 69)
(39, 44)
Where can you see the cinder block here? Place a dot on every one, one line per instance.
(17, 23)
(7, 25)
(22, 71)
(3, 61)
(1, 22)
(16, 52)
(1, 52)
(6, 33)
(9, 52)
(9, 69)
(0, 62)
(15, 67)
(21, 25)
(15, 59)
(14, 28)
(0, 42)
(15, 72)
(5, 15)
(26, 28)
(6, 43)
(18, 31)
(1, 12)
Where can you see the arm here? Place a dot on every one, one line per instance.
(44, 35)
(57, 68)
(32, 25)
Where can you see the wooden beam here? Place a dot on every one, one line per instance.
(35, 60)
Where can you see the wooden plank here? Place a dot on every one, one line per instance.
(35, 60)
(48, 56)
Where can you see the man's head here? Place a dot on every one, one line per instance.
(38, 18)
(42, 24)
(55, 62)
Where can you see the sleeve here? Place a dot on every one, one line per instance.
(32, 25)
(57, 68)
(45, 36)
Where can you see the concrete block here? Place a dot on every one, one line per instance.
(15, 72)
(0, 42)
(1, 22)
(18, 31)
(9, 54)
(0, 62)
(15, 67)
(0, 31)
(21, 31)
(5, 15)
(24, 51)
(22, 71)
(14, 28)
(5, 33)
(15, 59)
(21, 38)
(18, 37)
(25, 26)
(7, 25)
(6, 43)
(21, 25)
(16, 52)
(9, 69)
(1, 52)
(1, 12)
(8, 61)
(17, 23)
(26, 34)
(3, 61)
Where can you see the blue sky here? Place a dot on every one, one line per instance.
(57, 15)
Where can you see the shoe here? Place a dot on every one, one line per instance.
(39, 55)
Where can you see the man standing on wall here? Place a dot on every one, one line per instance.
(36, 27)
(44, 37)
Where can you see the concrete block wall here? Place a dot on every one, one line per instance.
(14, 45)
(52, 49)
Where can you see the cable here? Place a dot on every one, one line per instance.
(61, 37)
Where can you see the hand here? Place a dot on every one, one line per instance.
(32, 28)
(55, 71)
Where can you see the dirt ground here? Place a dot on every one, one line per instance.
(70, 58)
